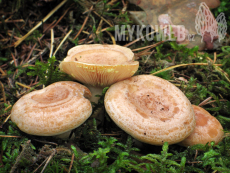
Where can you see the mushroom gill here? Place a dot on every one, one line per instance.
(99, 65)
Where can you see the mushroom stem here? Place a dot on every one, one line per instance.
(65, 135)
(95, 91)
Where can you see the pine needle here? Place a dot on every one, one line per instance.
(39, 24)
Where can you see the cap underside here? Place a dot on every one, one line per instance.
(99, 65)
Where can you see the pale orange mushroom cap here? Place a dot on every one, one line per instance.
(150, 109)
(56, 109)
(99, 65)
(207, 129)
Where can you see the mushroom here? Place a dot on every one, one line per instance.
(207, 129)
(207, 26)
(150, 109)
(99, 66)
(54, 110)
(209, 41)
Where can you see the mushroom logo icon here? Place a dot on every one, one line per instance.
(207, 26)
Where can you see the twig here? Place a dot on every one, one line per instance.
(23, 85)
(4, 40)
(34, 28)
(129, 44)
(90, 35)
(18, 28)
(25, 149)
(99, 26)
(5, 120)
(86, 19)
(8, 107)
(45, 142)
(15, 62)
(180, 65)
(35, 57)
(220, 70)
(148, 57)
(103, 19)
(124, 6)
(39, 40)
(12, 21)
(40, 165)
(48, 160)
(71, 163)
(12, 36)
(111, 134)
(3, 92)
(111, 2)
(61, 150)
(28, 57)
(221, 100)
(205, 101)
(214, 58)
(194, 162)
(51, 43)
(4, 114)
(9, 136)
(67, 35)
(195, 157)
(49, 26)
(194, 86)
(61, 17)
(150, 46)
(112, 37)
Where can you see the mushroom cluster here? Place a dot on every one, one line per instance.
(149, 108)
(154, 111)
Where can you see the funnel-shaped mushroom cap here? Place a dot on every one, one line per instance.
(207, 129)
(150, 109)
(99, 65)
(56, 109)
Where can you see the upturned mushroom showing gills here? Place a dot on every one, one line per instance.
(99, 65)
(150, 109)
(54, 110)
(207, 129)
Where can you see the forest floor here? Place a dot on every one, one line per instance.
(35, 37)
